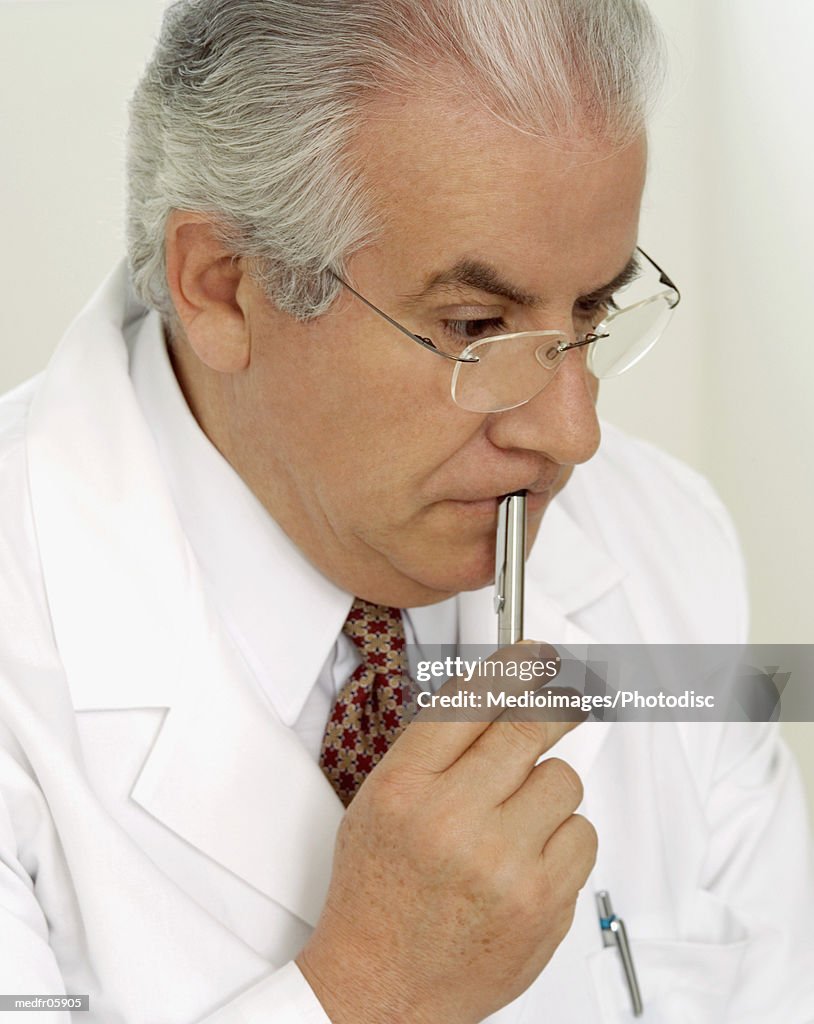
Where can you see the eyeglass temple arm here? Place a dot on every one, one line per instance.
(426, 343)
(589, 339)
(663, 277)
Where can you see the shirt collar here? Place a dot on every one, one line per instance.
(567, 564)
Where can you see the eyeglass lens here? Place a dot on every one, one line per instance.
(512, 369)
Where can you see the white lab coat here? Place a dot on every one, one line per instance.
(165, 842)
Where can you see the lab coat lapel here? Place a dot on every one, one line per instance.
(565, 573)
(224, 773)
(232, 780)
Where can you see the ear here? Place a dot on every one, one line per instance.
(210, 291)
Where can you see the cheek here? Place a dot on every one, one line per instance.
(379, 432)
(403, 395)
(359, 417)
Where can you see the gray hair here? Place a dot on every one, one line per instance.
(247, 110)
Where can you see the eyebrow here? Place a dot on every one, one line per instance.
(483, 277)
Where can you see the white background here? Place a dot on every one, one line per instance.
(729, 213)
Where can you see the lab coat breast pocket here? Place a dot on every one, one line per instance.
(680, 982)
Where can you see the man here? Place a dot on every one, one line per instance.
(228, 482)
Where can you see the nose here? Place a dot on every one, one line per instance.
(560, 422)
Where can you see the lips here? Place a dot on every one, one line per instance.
(536, 490)
(537, 499)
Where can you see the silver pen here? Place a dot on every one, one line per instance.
(614, 933)
(510, 567)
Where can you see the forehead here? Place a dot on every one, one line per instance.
(450, 181)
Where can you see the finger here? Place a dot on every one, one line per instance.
(547, 798)
(438, 736)
(568, 858)
(500, 760)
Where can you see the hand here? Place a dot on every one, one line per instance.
(456, 872)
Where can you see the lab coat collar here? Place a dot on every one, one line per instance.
(567, 570)
(224, 773)
(285, 612)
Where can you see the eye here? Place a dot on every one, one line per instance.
(466, 331)
(595, 310)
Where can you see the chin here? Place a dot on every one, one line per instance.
(438, 565)
(472, 569)
(429, 583)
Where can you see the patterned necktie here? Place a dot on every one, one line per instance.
(374, 705)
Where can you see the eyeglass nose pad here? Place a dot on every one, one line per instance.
(550, 355)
